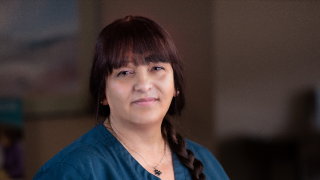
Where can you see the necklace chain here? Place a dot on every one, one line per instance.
(157, 172)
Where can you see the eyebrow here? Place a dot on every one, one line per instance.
(140, 59)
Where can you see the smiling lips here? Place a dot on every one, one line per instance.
(145, 101)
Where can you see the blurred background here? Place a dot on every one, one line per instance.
(252, 72)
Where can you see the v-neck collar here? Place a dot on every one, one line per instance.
(180, 172)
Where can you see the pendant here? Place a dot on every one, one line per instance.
(157, 172)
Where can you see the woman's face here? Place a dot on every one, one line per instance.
(140, 94)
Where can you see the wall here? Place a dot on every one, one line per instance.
(266, 54)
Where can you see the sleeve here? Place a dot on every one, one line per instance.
(61, 171)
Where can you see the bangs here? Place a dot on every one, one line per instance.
(136, 42)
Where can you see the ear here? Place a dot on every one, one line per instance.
(175, 93)
(104, 102)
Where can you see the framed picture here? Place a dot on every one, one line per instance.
(45, 55)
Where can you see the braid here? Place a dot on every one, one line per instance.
(178, 146)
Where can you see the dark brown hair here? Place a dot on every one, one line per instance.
(140, 35)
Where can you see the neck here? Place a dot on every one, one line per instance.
(142, 138)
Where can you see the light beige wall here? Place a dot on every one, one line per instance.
(266, 54)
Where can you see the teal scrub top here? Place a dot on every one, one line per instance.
(98, 155)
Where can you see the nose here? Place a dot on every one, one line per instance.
(143, 80)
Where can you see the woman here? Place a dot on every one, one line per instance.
(137, 84)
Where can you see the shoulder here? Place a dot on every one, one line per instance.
(211, 167)
(80, 157)
(201, 152)
(55, 172)
(196, 148)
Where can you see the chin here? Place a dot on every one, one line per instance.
(149, 118)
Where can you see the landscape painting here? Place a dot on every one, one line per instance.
(38, 48)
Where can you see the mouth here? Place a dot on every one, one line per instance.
(145, 101)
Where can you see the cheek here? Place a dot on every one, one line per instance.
(167, 85)
(116, 91)
(120, 90)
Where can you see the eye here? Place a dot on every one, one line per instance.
(123, 73)
(157, 68)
